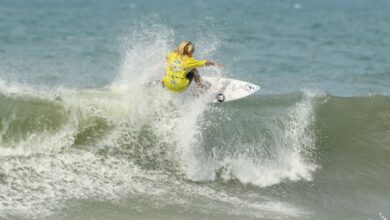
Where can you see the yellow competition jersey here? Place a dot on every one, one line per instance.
(176, 70)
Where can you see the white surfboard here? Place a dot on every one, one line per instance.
(219, 89)
(225, 90)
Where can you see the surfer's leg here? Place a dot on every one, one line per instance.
(197, 76)
(202, 84)
(190, 75)
(194, 75)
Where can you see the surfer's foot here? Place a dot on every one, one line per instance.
(204, 86)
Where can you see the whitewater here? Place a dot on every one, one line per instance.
(82, 137)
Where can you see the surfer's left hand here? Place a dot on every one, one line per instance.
(218, 64)
(211, 63)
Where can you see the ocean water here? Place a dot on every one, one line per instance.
(81, 137)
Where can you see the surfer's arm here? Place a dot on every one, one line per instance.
(193, 63)
(211, 63)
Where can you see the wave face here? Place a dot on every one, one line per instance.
(95, 145)
(81, 137)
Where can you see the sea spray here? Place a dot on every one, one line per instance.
(261, 147)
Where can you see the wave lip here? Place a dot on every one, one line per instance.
(273, 146)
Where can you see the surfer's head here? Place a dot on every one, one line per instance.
(186, 48)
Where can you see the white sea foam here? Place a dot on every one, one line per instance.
(291, 157)
(40, 173)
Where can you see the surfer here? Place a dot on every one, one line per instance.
(181, 68)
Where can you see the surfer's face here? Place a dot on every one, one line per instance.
(192, 52)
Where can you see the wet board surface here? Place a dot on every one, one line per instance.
(225, 89)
